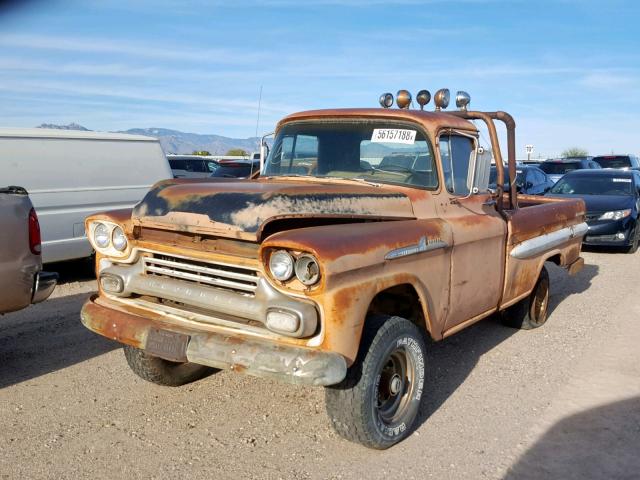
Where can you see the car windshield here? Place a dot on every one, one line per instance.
(372, 150)
(593, 185)
(613, 161)
(559, 168)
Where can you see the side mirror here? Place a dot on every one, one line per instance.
(264, 150)
(479, 170)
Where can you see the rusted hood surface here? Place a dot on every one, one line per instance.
(242, 208)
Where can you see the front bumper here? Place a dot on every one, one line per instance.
(253, 356)
(45, 283)
(607, 233)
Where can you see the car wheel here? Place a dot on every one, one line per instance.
(377, 403)
(163, 372)
(532, 311)
(633, 248)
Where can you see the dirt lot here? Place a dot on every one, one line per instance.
(71, 408)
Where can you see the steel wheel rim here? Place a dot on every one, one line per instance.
(395, 386)
(540, 301)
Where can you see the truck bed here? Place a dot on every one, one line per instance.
(541, 229)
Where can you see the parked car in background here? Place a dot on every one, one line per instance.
(22, 281)
(197, 166)
(612, 198)
(191, 166)
(555, 168)
(622, 162)
(72, 174)
(236, 168)
(530, 180)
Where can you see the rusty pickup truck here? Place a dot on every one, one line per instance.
(367, 231)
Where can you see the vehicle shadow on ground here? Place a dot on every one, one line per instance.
(45, 338)
(72, 271)
(599, 249)
(450, 361)
(599, 443)
(563, 285)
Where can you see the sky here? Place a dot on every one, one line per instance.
(567, 70)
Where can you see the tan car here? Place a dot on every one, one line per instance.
(333, 277)
(22, 281)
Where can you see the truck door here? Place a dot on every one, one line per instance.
(479, 234)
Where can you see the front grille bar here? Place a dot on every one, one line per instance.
(201, 274)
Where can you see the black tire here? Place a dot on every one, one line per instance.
(633, 248)
(376, 405)
(532, 311)
(163, 372)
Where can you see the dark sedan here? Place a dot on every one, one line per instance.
(530, 180)
(236, 168)
(612, 198)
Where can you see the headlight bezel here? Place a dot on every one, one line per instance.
(615, 214)
(109, 249)
(294, 278)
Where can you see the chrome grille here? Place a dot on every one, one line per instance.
(240, 279)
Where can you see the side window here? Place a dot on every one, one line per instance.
(455, 153)
(537, 177)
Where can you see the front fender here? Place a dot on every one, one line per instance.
(360, 260)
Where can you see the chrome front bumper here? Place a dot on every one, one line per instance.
(253, 356)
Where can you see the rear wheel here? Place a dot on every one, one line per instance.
(378, 402)
(163, 372)
(530, 312)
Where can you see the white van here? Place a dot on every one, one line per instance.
(72, 174)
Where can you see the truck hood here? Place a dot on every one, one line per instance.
(242, 208)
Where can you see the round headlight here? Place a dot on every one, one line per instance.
(281, 265)
(101, 235)
(307, 269)
(119, 239)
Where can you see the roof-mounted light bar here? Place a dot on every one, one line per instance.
(441, 99)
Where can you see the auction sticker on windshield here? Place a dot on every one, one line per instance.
(393, 135)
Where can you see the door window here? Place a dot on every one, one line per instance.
(455, 152)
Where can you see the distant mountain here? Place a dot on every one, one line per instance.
(174, 141)
(71, 126)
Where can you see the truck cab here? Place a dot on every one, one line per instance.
(367, 231)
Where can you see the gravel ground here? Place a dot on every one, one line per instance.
(71, 408)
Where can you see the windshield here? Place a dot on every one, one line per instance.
(553, 168)
(373, 150)
(593, 185)
(613, 161)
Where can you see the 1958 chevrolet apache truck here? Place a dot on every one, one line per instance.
(366, 230)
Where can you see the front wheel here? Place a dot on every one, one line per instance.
(163, 372)
(633, 248)
(531, 312)
(378, 401)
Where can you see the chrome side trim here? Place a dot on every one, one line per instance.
(425, 245)
(534, 246)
